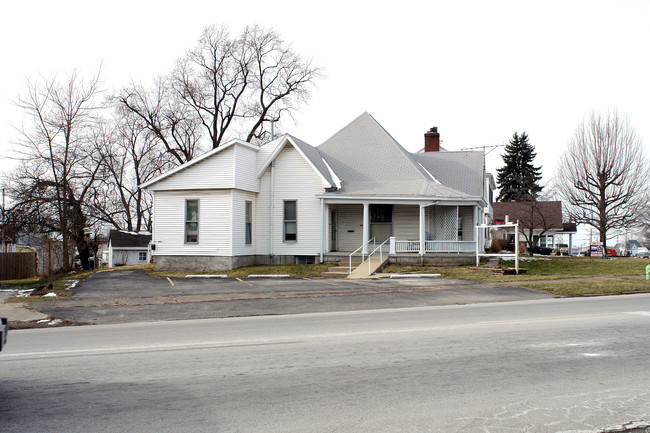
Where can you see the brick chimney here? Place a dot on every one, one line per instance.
(432, 140)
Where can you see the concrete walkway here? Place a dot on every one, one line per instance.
(18, 312)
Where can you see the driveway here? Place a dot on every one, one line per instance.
(134, 296)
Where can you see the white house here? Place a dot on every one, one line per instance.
(126, 248)
(289, 202)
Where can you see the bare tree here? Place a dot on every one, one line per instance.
(603, 174)
(282, 79)
(212, 80)
(164, 117)
(57, 165)
(225, 87)
(131, 156)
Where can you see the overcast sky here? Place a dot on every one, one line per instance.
(478, 70)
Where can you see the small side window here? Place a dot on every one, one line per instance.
(191, 221)
(248, 218)
(290, 221)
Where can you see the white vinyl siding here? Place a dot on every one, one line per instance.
(126, 256)
(245, 176)
(215, 219)
(294, 180)
(406, 222)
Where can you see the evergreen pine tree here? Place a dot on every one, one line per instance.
(518, 178)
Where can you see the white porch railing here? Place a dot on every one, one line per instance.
(402, 246)
(363, 255)
(381, 254)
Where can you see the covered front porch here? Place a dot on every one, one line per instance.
(401, 227)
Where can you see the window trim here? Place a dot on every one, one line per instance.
(140, 259)
(285, 221)
(248, 222)
(187, 221)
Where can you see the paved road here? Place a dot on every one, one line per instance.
(550, 365)
(134, 296)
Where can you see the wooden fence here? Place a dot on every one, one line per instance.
(15, 266)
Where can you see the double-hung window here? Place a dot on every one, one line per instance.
(290, 221)
(248, 218)
(191, 221)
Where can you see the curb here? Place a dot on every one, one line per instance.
(415, 275)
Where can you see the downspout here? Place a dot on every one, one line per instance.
(271, 208)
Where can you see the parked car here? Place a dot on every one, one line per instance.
(643, 255)
(611, 252)
(3, 332)
(543, 251)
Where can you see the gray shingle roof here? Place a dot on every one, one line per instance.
(462, 171)
(370, 162)
(121, 239)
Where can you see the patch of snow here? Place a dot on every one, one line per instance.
(526, 259)
(50, 295)
(415, 275)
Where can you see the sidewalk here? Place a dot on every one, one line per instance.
(18, 312)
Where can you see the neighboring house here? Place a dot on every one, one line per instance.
(288, 202)
(127, 248)
(543, 217)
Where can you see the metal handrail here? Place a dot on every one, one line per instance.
(381, 254)
(362, 255)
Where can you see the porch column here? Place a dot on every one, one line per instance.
(366, 227)
(322, 228)
(422, 237)
(476, 232)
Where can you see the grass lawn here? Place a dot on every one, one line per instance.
(565, 276)
(306, 271)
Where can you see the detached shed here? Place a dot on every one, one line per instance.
(128, 248)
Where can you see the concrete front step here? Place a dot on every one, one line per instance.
(343, 268)
(335, 274)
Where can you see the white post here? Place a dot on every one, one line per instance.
(422, 237)
(477, 252)
(517, 248)
(392, 245)
(366, 227)
(322, 228)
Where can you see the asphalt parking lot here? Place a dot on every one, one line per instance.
(134, 296)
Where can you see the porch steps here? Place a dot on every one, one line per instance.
(343, 268)
(361, 271)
